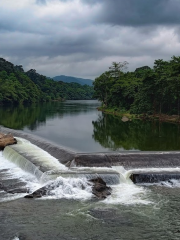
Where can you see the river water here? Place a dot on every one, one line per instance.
(79, 126)
(132, 212)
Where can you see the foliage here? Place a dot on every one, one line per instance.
(17, 86)
(146, 90)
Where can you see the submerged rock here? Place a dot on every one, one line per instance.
(44, 191)
(6, 139)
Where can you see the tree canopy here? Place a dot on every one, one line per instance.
(17, 86)
(146, 90)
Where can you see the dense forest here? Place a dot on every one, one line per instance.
(146, 90)
(18, 86)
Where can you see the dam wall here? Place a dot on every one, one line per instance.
(65, 162)
(129, 160)
(62, 154)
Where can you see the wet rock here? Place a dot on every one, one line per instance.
(6, 139)
(100, 189)
(13, 189)
(18, 190)
(40, 192)
(43, 191)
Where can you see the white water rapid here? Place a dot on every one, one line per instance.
(32, 167)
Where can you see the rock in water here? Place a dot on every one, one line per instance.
(125, 119)
(6, 139)
(99, 189)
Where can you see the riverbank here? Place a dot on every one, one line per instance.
(126, 116)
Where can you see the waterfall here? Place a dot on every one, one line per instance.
(110, 176)
(40, 163)
(13, 156)
(32, 159)
(153, 175)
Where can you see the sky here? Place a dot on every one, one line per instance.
(82, 38)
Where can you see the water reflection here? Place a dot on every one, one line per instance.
(112, 133)
(35, 115)
(78, 125)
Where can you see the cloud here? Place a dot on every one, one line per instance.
(138, 12)
(82, 38)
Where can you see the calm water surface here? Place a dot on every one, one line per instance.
(79, 126)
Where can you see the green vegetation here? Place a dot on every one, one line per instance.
(153, 91)
(17, 86)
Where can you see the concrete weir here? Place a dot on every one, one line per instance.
(149, 177)
(48, 164)
(67, 162)
(129, 160)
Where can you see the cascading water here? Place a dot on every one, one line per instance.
(37, 156)
(73, 183)
(153, 175)
(13, 156)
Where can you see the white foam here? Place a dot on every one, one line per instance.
(127, 192)
(11, 171)
(173, 183)
(71, 188)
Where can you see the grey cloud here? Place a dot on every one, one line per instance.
(84, 45)
(45, 1)
(138, 12)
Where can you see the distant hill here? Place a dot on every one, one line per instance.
(69, 79)
(18, 86)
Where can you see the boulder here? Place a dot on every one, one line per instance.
(6, 139)
(41, 191)
(100, 189)
(125, 119)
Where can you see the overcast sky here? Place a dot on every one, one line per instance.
(82, 38)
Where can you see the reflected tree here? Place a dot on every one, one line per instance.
(116, 135)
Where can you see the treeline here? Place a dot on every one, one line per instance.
(17, 86)
(146, 90)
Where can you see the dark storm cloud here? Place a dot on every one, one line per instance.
(138, 12)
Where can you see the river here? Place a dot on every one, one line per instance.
(79, 126)
(139, 212)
